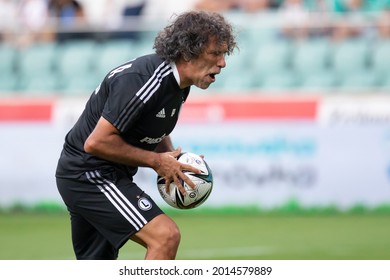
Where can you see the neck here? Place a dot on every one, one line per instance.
(183, 69)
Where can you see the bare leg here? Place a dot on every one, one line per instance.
(160, 237)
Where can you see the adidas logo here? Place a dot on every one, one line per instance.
(161, 114)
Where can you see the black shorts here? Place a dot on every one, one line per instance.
(106, 208)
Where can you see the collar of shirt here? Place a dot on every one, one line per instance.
(175, 72)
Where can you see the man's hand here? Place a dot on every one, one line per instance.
(171, 170)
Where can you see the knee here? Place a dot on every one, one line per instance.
(161, 237)
(170, 236)
(166, 244)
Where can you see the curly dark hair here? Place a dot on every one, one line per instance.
(189, 34)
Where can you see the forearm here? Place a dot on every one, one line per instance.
(113, 148)
(105, 142)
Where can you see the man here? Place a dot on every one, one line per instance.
(125, 125)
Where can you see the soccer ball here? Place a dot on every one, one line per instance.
(203, 184)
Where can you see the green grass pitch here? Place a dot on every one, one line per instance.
(33, 236)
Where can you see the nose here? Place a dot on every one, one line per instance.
(222, 62)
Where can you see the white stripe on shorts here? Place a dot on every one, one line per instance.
(117, 198)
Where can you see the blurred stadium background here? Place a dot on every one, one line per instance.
(296, 128)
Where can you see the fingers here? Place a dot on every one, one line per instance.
(187, 180)
(173, 171)
(184, 178)
(190, 168)
(176, 152)
(167, 185)
(179, 184)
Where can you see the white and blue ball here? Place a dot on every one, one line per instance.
(194, 197)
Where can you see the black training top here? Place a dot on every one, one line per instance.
(141, 98)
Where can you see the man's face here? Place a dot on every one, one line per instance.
(207, 65)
